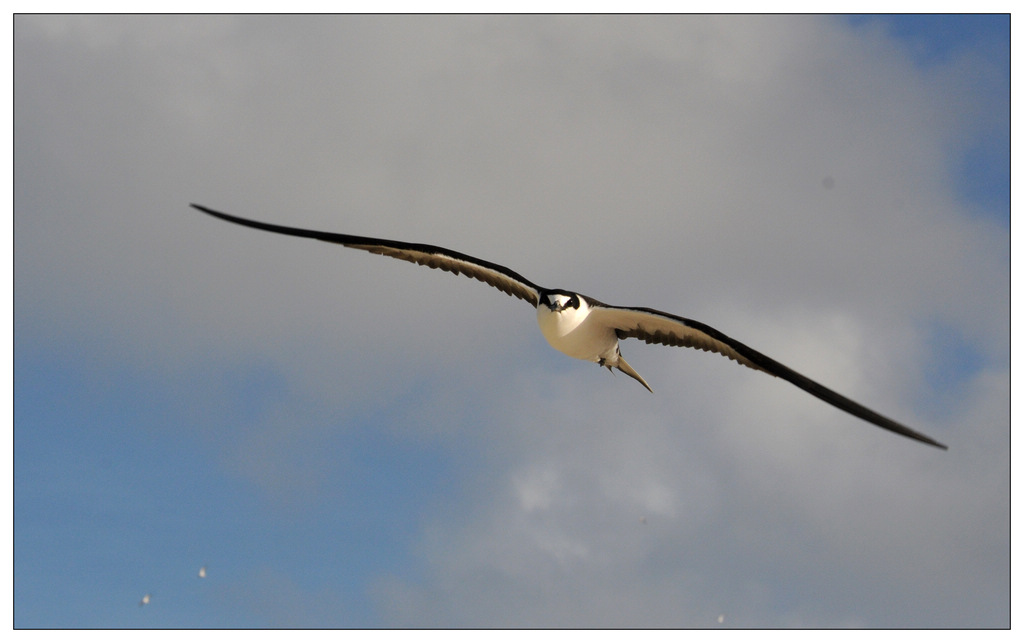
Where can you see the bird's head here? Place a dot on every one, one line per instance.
(559, 300)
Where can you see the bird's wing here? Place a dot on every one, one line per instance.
(656, 327)
(505, 280)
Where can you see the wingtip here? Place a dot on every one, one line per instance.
(938, 445)
(914, 435)
(225, 217)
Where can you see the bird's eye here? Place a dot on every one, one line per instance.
(574, 301)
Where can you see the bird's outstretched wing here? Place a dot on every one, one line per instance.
(505, 280)
(656, 327)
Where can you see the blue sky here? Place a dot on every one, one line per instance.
(350, 441)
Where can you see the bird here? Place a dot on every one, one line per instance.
(145, 600)
(202, 572)
(583, 327)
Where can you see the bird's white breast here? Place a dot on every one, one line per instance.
(573, 333)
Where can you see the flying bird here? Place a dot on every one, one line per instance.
(202, 572)
(585, 328)
(144, 601)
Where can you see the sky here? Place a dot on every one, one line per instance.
(349, 441)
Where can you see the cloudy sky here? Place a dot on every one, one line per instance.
(351, 441)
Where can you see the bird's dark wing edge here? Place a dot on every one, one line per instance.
(756, 360)
(500, 277)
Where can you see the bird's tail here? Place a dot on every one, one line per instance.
(628, 370)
